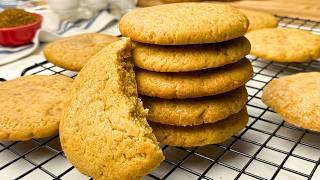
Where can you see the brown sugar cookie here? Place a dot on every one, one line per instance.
(196, 111)
(284, 45)
(296, 98)
(190, 57)
(174, 1)
(259, 20)
(194, 84)
(31, 106)
(73, 52)
(178, 1)
(201, 135)
(104, 132)
(184, 23)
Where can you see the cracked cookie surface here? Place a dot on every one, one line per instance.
(296, 98)
(104, 132)
(31, 106)
(284, 45)
(184, 23)
(259, 20)
(73, 52)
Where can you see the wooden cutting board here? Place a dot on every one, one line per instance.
(307, 9)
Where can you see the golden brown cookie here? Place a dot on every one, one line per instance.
(296, 98)
(73, 52)
(190, 57)
(184, 23)
(201, 135)
(104, 132)
(31, 106)
(176, 1)
(196, 111)
(194, 84)
(259, 20)
(284, 45)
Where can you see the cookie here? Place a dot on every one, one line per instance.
(104, 132)
(184, 23)
(194, 84)
(73, 52)
(296, 98)
(259, 20)
(189, 57)
(196, 111)
(284, 45)
(176, 1)
(31, 106)
(201, 135)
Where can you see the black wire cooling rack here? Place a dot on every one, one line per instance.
(268, 148)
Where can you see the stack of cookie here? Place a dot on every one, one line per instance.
(191, 70)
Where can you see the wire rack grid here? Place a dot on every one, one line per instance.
(268, 148)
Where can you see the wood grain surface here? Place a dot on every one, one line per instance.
(307, 9)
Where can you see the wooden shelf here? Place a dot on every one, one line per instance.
(307, 9)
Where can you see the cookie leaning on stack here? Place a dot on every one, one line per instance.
(192, 70)
(104, 132)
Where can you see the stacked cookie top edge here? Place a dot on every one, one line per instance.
(189, 57)
(202, 83)
(184, 24)
(195, 111)
(201, 135)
